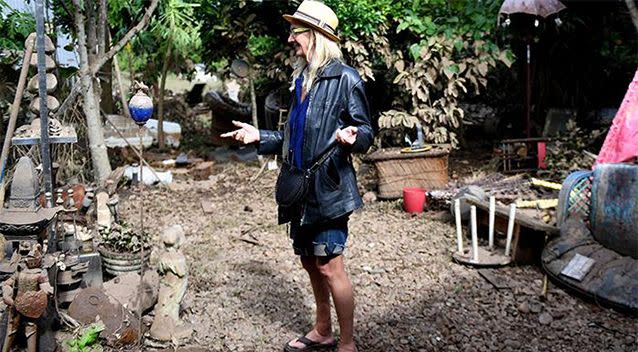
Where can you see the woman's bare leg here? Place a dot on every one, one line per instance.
(322, 331)
(334, 273)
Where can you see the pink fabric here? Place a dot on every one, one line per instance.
(621, 143)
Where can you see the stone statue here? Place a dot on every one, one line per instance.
(26, 295)
(171, 265)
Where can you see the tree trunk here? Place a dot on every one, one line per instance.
(106, 83)
(94, 67)
(99, 156)
(106, 73)
(160, 108)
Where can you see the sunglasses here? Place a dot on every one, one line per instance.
(295, 31)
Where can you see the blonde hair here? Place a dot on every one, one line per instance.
(321, 50)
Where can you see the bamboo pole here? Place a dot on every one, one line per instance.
(15, 108)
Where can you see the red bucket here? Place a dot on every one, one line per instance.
(413, 199)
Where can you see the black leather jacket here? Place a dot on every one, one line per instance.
(337, 100)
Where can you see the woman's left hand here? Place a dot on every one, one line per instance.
(347, 136)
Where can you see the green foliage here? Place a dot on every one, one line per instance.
(360, 18)
(438, 72)
(173, 25)
(124, 238)
(15, 29)
(445, 49)
(123, 14)
(87, 341)
(262, 46)
(178, 28)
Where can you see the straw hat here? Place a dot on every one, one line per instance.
(317, 16)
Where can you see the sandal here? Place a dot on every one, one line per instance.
(309, 345)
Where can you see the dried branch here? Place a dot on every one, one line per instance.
(91, 35)
(97, 65)
(101, 28)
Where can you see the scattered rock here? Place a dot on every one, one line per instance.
(91, 305)
(545, 318)
(244, 297)
(124, 289)
(524, 307)
(369, 197)
(535, 307)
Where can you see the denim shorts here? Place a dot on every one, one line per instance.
(320, 240)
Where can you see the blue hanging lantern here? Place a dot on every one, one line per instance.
(141, 105)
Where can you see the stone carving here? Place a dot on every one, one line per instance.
(103, 211)
(171, 265)
(25, 217)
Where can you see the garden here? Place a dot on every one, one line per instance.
(499, 190)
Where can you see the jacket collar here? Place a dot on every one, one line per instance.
(333, 68)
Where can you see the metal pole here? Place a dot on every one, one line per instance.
(44, 111)
(253, 100)
(528, 93)
(141, 188)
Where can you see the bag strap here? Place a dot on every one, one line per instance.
(322, 159)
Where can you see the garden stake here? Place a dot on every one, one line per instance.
(475, 256)
(139, 288)
(459, 231)
(141, 109)
(510, 228)
(491, 222)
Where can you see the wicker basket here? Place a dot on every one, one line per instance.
(396, 170)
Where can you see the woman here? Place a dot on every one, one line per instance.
(329, 106)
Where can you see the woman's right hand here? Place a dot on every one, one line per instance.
(246, 133)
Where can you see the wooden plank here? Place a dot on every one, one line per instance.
(496, 280)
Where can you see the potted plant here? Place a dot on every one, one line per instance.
(123, 247)
(408, 162)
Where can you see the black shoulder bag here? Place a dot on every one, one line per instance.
(293, 183)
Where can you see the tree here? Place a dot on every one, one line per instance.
(90, 18)
(15, 28)
(178, 32)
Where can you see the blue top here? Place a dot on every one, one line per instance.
(297, 122)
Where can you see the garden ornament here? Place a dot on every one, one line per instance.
(172, 268)
(26, 295)
(141, 105)
(240, 68)
(24, 218)
(317, 16)
(418, 145)
(542, 8)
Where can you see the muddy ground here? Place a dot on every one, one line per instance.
(247, 291)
